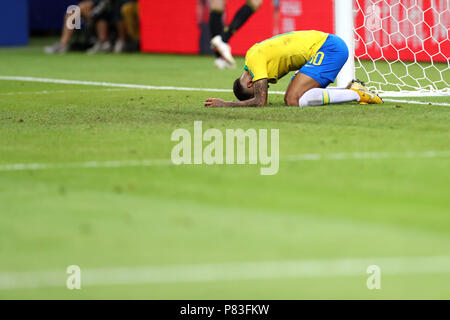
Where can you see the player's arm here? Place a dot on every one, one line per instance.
(260, 99)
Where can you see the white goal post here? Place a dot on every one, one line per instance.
(343, 26)
(398, 47)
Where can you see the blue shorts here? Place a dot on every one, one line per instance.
(328, 61)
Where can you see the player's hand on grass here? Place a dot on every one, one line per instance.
(214, 103)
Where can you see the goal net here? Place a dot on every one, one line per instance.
(401, 47)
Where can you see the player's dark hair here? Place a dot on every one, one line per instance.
(239, 91)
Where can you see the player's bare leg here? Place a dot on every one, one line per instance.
(297, 88)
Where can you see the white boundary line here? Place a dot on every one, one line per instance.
(87, 164)
(415, 94)
(294, 269)
(369, 155)
(419, 102)
(43, 92)
(165, 162)
(109, 84)
(148, 87)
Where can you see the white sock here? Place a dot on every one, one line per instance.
(320, 97)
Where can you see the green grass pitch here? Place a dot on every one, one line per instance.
(181, 215)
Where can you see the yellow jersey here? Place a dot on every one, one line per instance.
(275, 57)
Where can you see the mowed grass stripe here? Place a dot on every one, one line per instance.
(165, 162)
(174, 88)
(348, 267)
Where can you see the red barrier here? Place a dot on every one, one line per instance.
(169, 26)
(174, 26)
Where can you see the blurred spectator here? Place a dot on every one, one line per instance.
(130, 13)
(127, 21)
(62, 46)
(110, 20)
(101, 16)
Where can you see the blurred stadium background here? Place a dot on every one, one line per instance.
(86, 179)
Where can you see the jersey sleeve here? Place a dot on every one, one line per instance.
(257, 66)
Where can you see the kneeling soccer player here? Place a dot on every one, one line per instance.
(317, 56)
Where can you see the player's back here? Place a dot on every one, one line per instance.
(283, 53)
